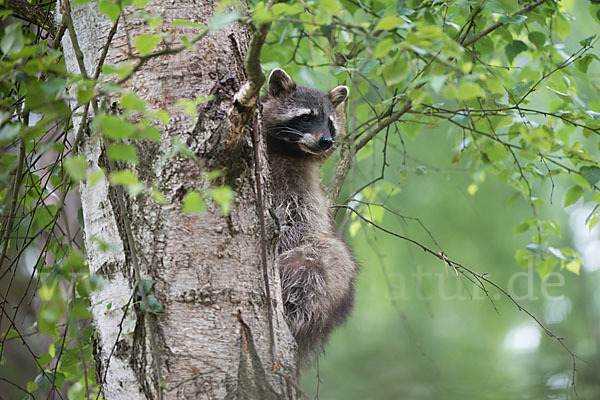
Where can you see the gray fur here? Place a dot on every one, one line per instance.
(316, 267)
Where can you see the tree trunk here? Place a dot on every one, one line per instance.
(213, 338)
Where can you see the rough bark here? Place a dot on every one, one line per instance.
(213, 338)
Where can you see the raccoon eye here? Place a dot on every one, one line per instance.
(331, 128)
(305, 118)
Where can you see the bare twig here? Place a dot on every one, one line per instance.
(479, 280)
(32, 13)
(498, 24)
(346, 160)
(263, 241)
(13, 202)
(18, 387)
(30, 350)
(295, 385)
(191, 378)
(382, 125)
(125, 308)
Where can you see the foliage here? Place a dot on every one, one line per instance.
(503, 84)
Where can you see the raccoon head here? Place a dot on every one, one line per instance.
(299, 120)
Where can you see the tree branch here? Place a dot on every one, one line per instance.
(498, 24)
(247, 96)
(382, 125)
(13, 203)
(32, 13)
(346, 158)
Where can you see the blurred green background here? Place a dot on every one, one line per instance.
(420, 332)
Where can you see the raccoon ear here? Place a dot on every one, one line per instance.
(338, 94)
(280, 83)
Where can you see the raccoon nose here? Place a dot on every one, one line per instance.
(325, 142)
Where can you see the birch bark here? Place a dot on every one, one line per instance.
(213, 339)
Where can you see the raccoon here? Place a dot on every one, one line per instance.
(316, 266)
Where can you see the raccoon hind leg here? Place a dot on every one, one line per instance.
(305, 299)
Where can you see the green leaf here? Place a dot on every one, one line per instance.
(513, 49)
(522, 227)
(587, 41)
(545, 266)
(115, 126)
(129, 328)
(261, 15)
(181, 148)
(561, 25)
(193, 203)
(221, 20)
(524, 258)
(123, 177)
(510, 6)
(104, 245)
(281, 9)
(591, 174)
(44, 381)
(223, 196)
(573, 195)
(140, 3)
(383, 47)
(123, 152)
(189, 107)
(581, 181)
(48, 318)
(595, 12)
(185, 22)
(583, 63)
(552, 226)
(76, 167)
(389, 23)
(513, 19)
(468, 91)
(574, 266)
(147, 284)
(110, 9)
(537, 38)
(331, 6)
(145, 43)
(131, 102)
(186, 42)
(149, 132)
(521, 88)
(153, 21)
(76, 392)
(496, 152)
(158, 196)
(9, 132)
(84, 94)
(44, 217)
(153, 305)
(122, 69)
(162, 115)
(32, 386)
(12, 41)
